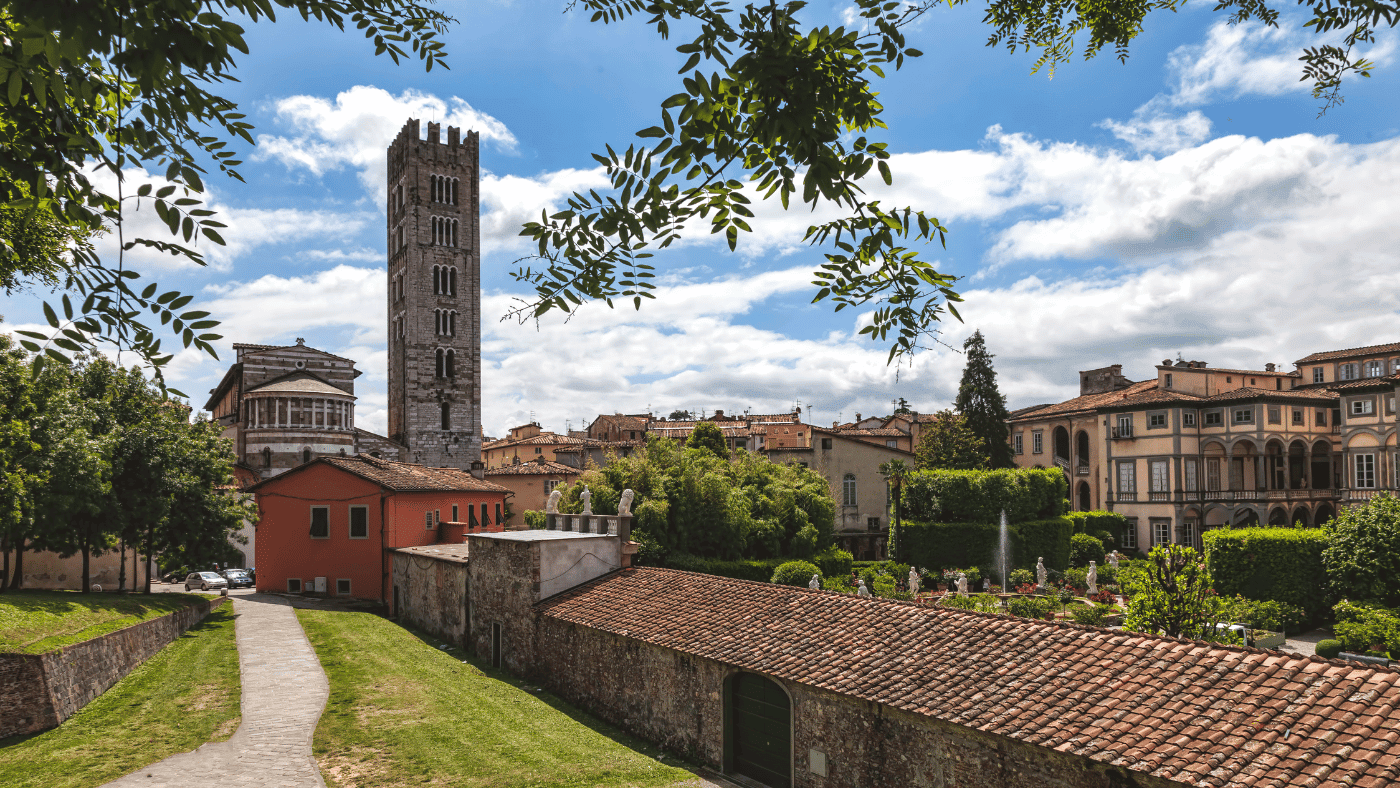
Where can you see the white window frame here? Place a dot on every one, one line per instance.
(1363, 407)
(1153, 417)
(891, 444)
(1219, 418)
(1159, 476)
(848, 490)
(1037, 442)
(1375, 368)
(428, 521)
(1364, 470)
(300, 585)
(1127, 477)
(1161, 532)
(1213, 476)
(1242, 415)
(1348, 372)
(327, 510)
(1188, 418)
(1192, 473)
(344, 580)
(1130, 534)
(1016, 440)
(1318, 375)
(350, 521)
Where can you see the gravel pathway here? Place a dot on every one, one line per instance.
(284, 692)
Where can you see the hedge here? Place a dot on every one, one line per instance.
(1093, 522)
(938, 545)
(1278, 564)
(981, 496)
(832, 563)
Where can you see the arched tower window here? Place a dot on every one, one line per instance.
(454, 191)
(306, 455)
(267, 457)
(437, 280)
(451, 364)
(446, 416)
(439, 364)
(453, 240)
(452, 323)
(452, 281)
(848, 490)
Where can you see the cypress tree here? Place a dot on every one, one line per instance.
(980, 401)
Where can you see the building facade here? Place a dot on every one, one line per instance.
(1198, 447)
(434, 296)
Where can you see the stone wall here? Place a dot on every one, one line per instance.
(39, 691)
(505, 582)
(432, 595)
(677, 701)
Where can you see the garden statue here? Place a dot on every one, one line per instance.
(551, 506)
(624, 506)
(1113, 560)
(962, 584)
(861, 590)
(913, 580)
(587, 498)
(1040, 573)
(986, 585)
(816, 582)
(1093, 579)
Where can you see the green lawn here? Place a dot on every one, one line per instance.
(32, 622)
(401, 712)
(182, 697)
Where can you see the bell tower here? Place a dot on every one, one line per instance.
(434, 294)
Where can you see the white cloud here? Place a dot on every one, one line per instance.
(355, 129)
(1161, 133)
(508, 201)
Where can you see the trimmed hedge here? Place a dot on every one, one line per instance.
(1092, 522)
(940, 545)
(1329, 648)
(795, 573)
(980, 496)
(832, 563)
(1278, 564)
(1084, 548)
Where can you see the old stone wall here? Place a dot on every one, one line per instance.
(433, 596)
(677, 701)
(505, 582)
(39, 691)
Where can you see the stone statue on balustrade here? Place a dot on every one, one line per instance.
(1040, 573)
(624, 506)
(1093, 579)
(962, 584)
(861, 590)
(551, 506)
(815, 583)
(587, 498)
(913, 580)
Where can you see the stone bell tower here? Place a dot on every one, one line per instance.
(434, 295)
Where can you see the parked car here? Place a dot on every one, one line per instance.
(177, 576)
(253, 573)
(237, 578)
(205, 581)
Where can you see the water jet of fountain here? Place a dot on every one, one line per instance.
(1004, 554)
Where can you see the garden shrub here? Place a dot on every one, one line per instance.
(833, 561)
(1084, 548)
(1362, 557)
(840, 583)
(1021, 577)
(1031, 607)
(534, 520)
(884, 587)
(1329, 648)
(795, 573)
(1361, 626)
(1264, 614)
(980, 496)
(1079, 576)
(982, 603)
(1106, 539)
(1277, 564)
(1092, 615)
(1097, 522)
(757, 569)
(939, 545)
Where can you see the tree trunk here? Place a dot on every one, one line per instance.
(87, 581)
(5, 548)
(17, 579)
(150, 539)
(135, 563)
(121, 567)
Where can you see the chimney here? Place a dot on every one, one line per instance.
(434, 130)
(857, 418)
(478, 469)
(719, 414)
(1269, 367)
(835, 424)
(1166, 362)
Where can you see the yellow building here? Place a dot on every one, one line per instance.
(1199, 447)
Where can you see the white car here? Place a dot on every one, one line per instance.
(205, 581)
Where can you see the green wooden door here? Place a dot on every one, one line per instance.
(762, 732)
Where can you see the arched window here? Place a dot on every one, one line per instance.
(451, 365)
(485, 521)
(848, 490)
(439, 364)
(267, 457)
(437, 322)
(454, 191)
(437, 280)
(305, 455)
(452, 323)
(452, 281)
(446, 416)
(453, 240)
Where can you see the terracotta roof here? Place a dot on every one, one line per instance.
(545, 468)
(879, 432)
(299, 382)
(1181, 710)
(399, 476)
(1088, 402)
(543, 439)
(775, 418)
(1328, 355)
(1253, 393)
(1275, 373)
(1385, 381)
(452, 553)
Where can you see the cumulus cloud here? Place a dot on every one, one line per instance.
(508, 201)
(355, 128)
(1152, 132)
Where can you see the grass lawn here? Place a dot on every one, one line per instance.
(32, 622)
(184, 696)
(401, 712)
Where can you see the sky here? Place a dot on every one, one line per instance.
(1188, 202)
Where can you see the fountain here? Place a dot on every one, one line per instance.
(1003, 560)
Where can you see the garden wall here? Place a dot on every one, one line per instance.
(431, 591)
(677, 701)
(39, 691)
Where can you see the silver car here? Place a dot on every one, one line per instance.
(205, 581)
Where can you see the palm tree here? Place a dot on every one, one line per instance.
(895, 471)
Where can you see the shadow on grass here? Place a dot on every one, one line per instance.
(584, 718)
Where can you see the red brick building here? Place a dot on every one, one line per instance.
(327, 526)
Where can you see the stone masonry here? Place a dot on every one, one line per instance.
(40, 691)
(434, 296)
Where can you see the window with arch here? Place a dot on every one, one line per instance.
(440, 368)
(452, 281)
(848, 490)
(267, 457)
(452, 323)
(451, 363)
(437, 280)
(446, 416)
(306, 455)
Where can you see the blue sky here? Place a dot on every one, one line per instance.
(1189, 201)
